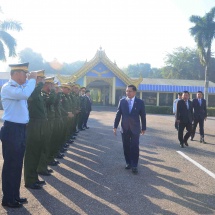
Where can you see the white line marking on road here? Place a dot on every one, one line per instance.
(197, 164)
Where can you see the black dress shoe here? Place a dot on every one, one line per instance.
(53, 163)
(182, 145)
(66, 145)
(56, 161)
(41, 182)
(185, 143)
(45, 173)
(50, 170)
(21, 200)
(73, 138)
(34, 186)
(134, 170)
(127, 166)
(70, 141)
(63, 151)
(60, 156)
(11, 204)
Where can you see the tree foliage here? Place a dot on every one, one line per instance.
(183, 63)
(137, 70)
(7, 42)
(203, 32)
(36, 62)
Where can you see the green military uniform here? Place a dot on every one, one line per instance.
(36, 135)
(73, 110)
(57, 134)
(65, 108)
(49, 99)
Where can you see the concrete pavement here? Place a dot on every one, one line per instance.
(92, 179)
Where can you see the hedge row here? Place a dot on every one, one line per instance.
(168, 110)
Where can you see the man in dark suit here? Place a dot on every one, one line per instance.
(131, 109)
(200, 115)
(184, 118)
(88, 108)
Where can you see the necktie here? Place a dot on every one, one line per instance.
(187, 105)
(129, 105)
(200, 102)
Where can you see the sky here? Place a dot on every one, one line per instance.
(130, 31)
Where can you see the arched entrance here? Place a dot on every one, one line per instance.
(99, 92)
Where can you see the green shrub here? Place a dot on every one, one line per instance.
(211, 111)
(168, 110)
(159, 109)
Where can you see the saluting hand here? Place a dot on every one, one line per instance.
(32, 75)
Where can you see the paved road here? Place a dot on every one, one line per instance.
(92, 179)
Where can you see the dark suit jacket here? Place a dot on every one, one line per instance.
(88, 104)
(199, 111)
(183, 114)
(131, 121)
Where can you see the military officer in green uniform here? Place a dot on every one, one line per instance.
(66, 111)
(36, 135)
(57, 134)
(73, 110)
(78, 108)
(49, 97)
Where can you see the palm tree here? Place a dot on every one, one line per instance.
(204, 33)
(6, 40)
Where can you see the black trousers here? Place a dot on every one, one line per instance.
(81, 119)
(197, 121)
(131, 147)
(13, 147)
(86, 117)
(181, 128)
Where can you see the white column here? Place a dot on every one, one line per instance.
(158, 98)
(141, 95)
(85, 81)
(114, 91)
(110, 94)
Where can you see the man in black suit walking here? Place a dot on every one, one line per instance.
(131, 109)
(200, 115)
(184, 118)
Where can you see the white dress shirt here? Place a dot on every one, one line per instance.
(14, 100)
(132, 101)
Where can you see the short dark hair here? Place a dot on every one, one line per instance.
(133, 87)
(180, 94)
(185, 91)
(200, 92)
